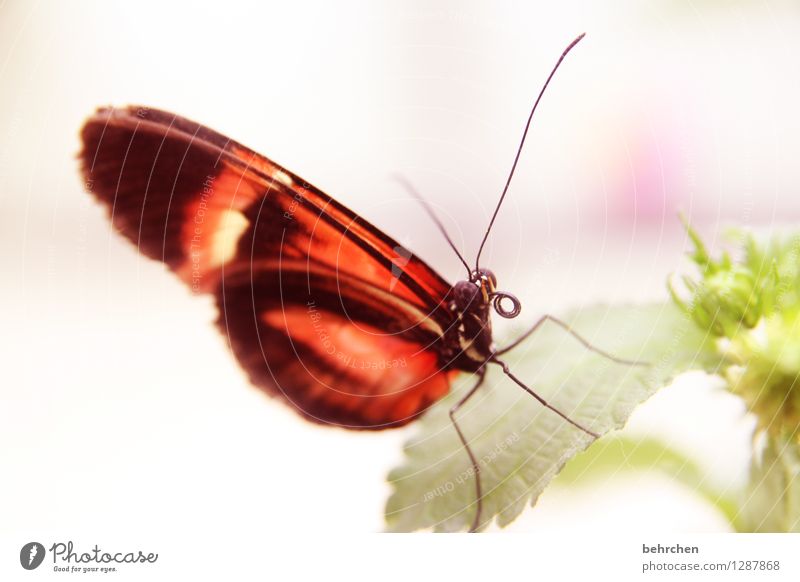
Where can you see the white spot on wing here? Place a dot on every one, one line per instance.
(231, 226)
(283, 178)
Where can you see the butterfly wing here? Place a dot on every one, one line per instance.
(320, 307)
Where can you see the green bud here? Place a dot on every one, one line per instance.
(765, 371)
(725, 298)
(753, 306)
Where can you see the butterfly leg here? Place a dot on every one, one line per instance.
(541, 400)
(475, 467)
(573, 333)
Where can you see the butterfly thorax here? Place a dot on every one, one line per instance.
(468, 342)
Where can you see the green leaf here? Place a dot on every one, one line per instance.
(519, 444)
(771, 502)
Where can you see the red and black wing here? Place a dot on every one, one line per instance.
(320, 307)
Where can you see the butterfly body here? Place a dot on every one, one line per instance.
(469, 344)
(320, 307)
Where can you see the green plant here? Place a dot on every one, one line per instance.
(738, 318)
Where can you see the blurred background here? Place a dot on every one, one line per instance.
(122, 411)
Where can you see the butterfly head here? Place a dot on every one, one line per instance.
(482, 289)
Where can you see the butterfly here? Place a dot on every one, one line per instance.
(320, 308)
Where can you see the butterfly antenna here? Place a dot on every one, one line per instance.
(519, 149)
(411, 190)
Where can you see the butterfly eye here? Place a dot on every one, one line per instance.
(488, 275)
(485, 275)
(499, 302)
